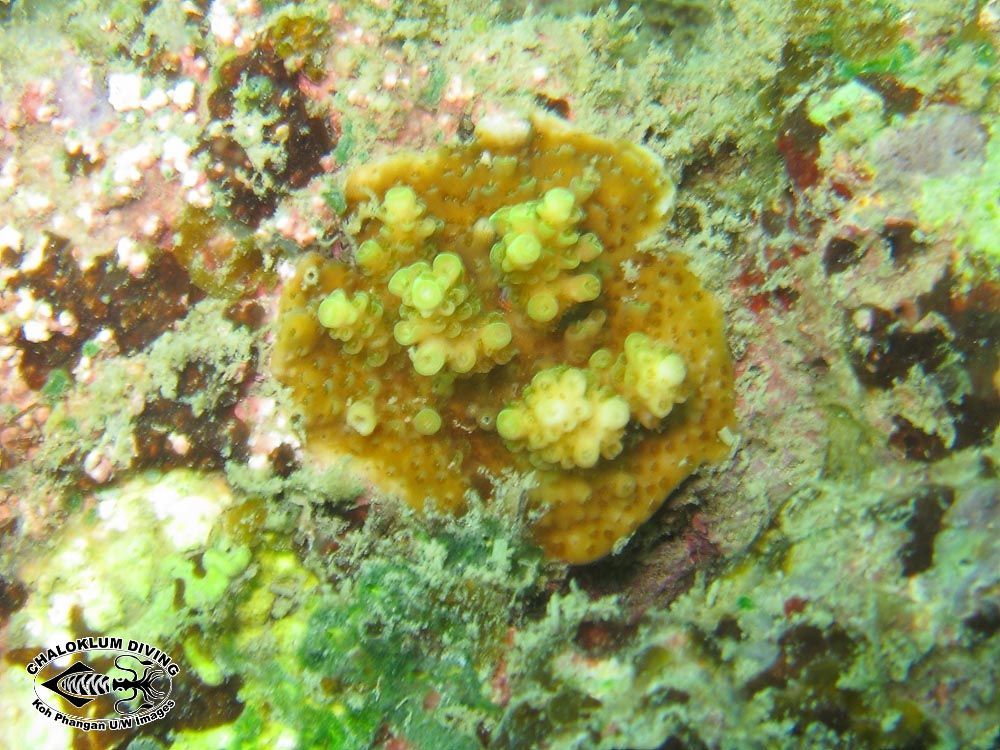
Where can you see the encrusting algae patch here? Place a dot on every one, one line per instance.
(498, 316)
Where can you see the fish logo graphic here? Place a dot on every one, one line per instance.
(80, 684)
(135, 692)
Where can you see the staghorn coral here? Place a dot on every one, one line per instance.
(482, 268)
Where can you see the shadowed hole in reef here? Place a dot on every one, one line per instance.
(213, 436)
(798, 144)
(658, 563)
(973, 321)
(985, 621)
(901, 242)
(283, 460)
(976, 420)
(976, 322)
(687, 219)
(687, 741)
(555, 105)
(13, 595)
(840, 254)
(897, 98)
(804, 647)
(805, 689)
(914, 443)
(598, 637)
(806, 673)
(892, 349)
(728, 628)
(917, 554)
(708, 164)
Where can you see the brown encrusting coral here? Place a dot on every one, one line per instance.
(483, 268)
(134, 309)
(263, 140)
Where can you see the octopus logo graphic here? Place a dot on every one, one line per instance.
(131, 686)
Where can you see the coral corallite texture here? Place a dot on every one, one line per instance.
(498, 317)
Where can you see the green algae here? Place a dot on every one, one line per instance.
(435, 618)
(102, 415)
(967, 205)
(810, 655)
(411, 638)
(406, 642)
(300, 35)
(59, 381)
(850, 451)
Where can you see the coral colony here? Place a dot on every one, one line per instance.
(482, 328)
(421, 375)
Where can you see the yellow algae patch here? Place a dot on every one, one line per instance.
(217, 260)
(486, 325)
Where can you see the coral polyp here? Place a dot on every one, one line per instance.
(538, 250)
(499, 316)
(564, 419)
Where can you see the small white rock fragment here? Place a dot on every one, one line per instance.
(9, 174)
(182, 95)
(11, 239)
(176, 154)
(200, 196)
(36, 331)
(130, 163)
(125, 91)
(222, 23)
(25, 305)
(502, 131)
(131, 257)
(157, 98)
(85, 213)
(97, 466)
(33, 258)
(179, 443)
(37, 203)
